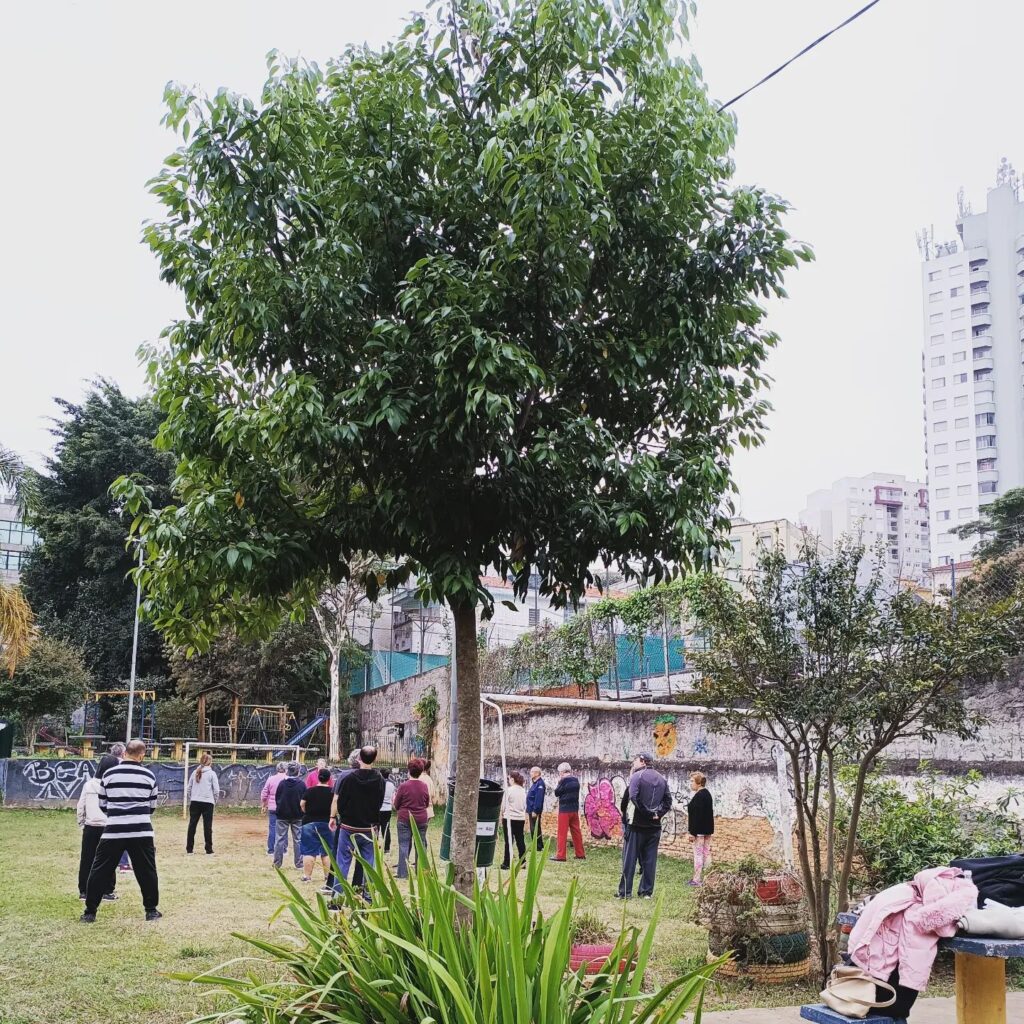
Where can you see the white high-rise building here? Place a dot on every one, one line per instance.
(880, 509)
(972, 369)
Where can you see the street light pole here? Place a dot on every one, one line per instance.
(135, 653)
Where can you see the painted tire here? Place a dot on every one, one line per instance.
(762, 950)
(769, 920)
(592, 957)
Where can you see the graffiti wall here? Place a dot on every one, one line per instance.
(31, 782)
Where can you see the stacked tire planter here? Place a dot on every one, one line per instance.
(764, 924)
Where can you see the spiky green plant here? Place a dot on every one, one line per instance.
(401, 959)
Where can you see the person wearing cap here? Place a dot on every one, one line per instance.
(644, 805)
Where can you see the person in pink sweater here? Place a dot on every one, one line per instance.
(268, 802)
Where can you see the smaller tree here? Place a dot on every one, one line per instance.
(50, 681)
(836, 671)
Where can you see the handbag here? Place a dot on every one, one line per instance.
(852, 991)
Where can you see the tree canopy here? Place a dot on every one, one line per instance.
(1000, 527)
(76, 578)
(50, 681)
(486, 296)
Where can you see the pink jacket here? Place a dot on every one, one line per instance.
(268, 795)
(901, 926)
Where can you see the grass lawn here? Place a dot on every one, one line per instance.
(55, 970)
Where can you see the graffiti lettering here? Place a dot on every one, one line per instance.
(56, 780)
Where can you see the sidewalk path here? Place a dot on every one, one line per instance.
(926, 1011)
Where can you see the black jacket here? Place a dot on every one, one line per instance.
(649, 793)
(568, 793)
(360, 795)
(287, 797)
(998, 878)
(106, 761)
(700, 814)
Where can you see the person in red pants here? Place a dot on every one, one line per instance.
(568, 793)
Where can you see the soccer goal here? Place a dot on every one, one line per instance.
(200, 746)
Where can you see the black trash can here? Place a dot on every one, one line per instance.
(488, 810)
(7, 729)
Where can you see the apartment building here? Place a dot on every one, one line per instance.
(884, 510)
(972, 372)
(16, 538)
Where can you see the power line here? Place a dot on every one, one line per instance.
(806, 49)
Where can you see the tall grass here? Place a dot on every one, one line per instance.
(399, 959)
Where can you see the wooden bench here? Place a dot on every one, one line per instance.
(821, 1014)
(88, 743)
(980, 974)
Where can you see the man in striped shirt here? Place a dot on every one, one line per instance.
(128, 793)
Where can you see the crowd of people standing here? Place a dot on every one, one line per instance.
(343, 821)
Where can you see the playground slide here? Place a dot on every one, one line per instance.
(303, 734)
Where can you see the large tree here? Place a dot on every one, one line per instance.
(835, 668)
(486, 296)
(17, 627)
(50, 681)
(76, 578)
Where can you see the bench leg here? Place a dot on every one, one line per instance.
(980, 989)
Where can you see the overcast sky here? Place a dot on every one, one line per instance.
(869, 137)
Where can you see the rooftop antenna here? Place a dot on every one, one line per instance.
(924, 242)
(963, 207)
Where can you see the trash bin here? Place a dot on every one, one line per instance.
(488, 810)
(7, 729)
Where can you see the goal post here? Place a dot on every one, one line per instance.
(295, 748)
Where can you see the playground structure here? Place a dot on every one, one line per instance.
(247, 724)
(143, 723)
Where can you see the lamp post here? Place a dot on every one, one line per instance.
(135, 653)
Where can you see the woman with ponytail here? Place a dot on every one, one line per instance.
(203, 793)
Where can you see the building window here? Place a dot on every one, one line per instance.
(956, 271)
(963, 489)
(939, 404)
(964, 513)
(934, 275)
(954, 292)
(941, 492)
(982, 374)
(961, 378)
(959, 335)
(942, 470)
(960, 422)
(963, 467)
(957, 314)
(945, 560)
(938, 382)
(938, 360)
(941, 449)
(960, 357)
(986, 441)
(11, 560)
(984, 419)
(935, 297)
(962, 446)
(987, 487)
(15, 532)
(986, 465)
(935, 318)
(940, 426)
(942, 516)
(959, 401)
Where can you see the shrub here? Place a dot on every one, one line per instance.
(401, 960)
(588, 929)
(944, 818)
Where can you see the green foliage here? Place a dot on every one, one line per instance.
(821, 659)
(588, 929)
(176, 717)
(942, 819)
(50, 681)
(77, 579)
(426, 710)
(1001, 526)
(288, 668)
(403, 960)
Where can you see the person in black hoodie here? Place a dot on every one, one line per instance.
(568, 793)
(700, 814)
(355, 812)
(288, 797)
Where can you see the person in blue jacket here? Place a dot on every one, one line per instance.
(535, 805)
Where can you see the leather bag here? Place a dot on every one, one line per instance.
(852, 992)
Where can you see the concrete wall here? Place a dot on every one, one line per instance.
(34, 782)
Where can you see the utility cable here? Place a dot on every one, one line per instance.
(806, 49)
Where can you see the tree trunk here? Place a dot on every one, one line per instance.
(807, 838)
(850, 849)
(467, 767)
(334, 716)
(30, 727)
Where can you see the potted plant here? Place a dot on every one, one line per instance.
(591, 943)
